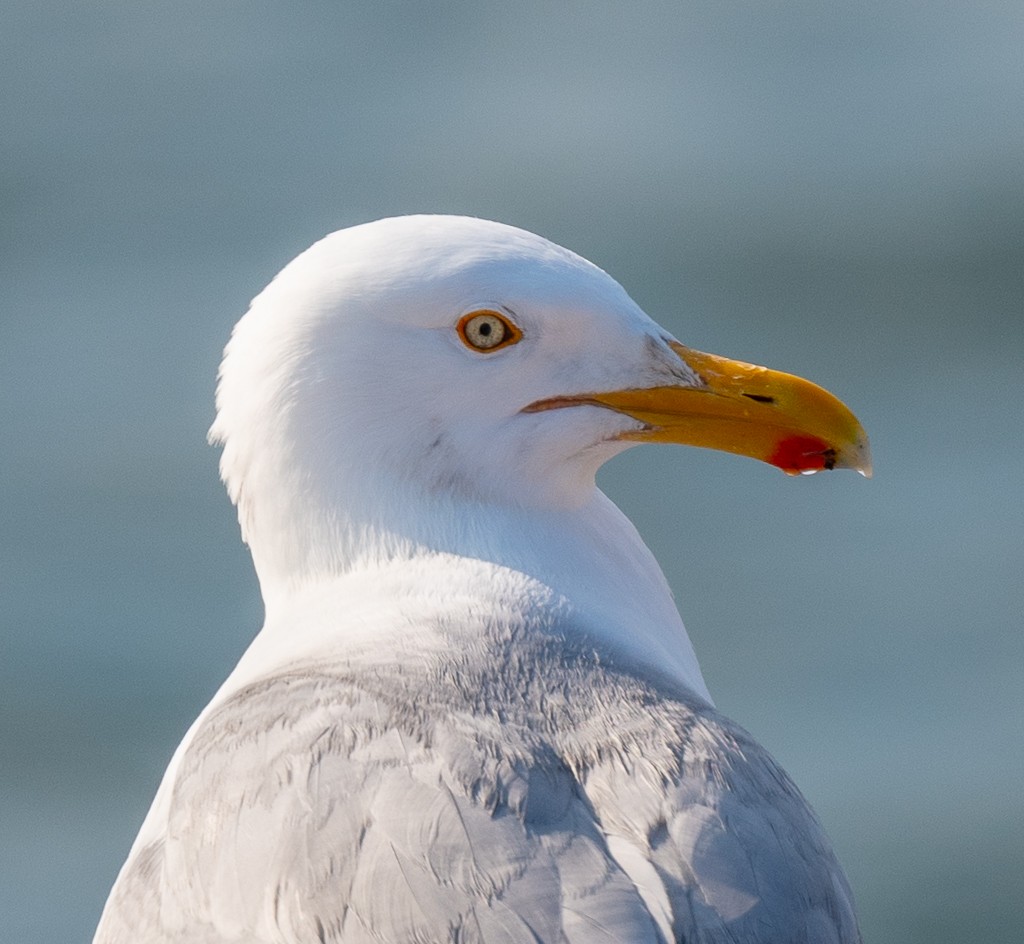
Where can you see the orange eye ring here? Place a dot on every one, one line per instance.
(486, 331)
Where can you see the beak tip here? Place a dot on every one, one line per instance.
(807, 455)
(864, 466)
(862, 457)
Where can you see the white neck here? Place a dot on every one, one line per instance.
(584, 566)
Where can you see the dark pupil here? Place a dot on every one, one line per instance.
(485, 329)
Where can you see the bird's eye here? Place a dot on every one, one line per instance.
(487, 331)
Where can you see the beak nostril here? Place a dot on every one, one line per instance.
(759, 397)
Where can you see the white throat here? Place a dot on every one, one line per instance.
(443, 561)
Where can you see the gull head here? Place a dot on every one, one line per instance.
(433, 361)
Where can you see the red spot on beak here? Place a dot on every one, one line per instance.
(796, 454)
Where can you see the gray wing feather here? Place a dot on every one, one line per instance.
(740, 854)
(352, 807)
(306, 810)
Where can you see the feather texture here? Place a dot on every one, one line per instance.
(401, 804)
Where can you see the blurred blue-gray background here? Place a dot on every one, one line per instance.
(834, 189)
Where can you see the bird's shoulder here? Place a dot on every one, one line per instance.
(696, 809)
(555, 797)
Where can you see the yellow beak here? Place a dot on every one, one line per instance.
(752, 411)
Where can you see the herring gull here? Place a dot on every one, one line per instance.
(473, 713)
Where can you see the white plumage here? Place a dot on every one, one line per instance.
(473, 713)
